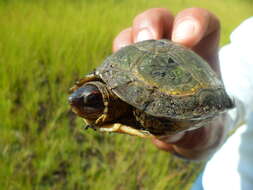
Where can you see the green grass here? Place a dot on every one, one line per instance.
(44, 47)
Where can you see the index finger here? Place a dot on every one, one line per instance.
(155, 23)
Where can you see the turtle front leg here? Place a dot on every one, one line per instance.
(120, 128)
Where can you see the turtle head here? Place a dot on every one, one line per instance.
(97, 104)
(87, 101)
(102, 109)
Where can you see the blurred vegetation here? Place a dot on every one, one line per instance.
(45, 45)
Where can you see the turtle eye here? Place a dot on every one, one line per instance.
(87, 101)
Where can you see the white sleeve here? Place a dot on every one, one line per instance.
(231, 166)
(236, 61)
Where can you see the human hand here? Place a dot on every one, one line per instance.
(198, 30)
(195, 28)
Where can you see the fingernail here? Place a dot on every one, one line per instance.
(144, 34)
(184, 30)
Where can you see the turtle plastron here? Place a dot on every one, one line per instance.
(120, 128)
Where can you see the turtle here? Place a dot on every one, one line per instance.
(150, 88)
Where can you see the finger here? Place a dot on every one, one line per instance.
(123, 39)
(162, 145)
(154, 23)
(165, 142)
(192, 25)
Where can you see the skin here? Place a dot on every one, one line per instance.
(198, 30)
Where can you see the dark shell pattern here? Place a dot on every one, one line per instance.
(165, 80)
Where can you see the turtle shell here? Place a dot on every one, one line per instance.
(165, 80)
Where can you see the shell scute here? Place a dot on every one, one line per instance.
(138, 95)
(125, 57)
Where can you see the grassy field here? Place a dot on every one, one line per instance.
(45, 45)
